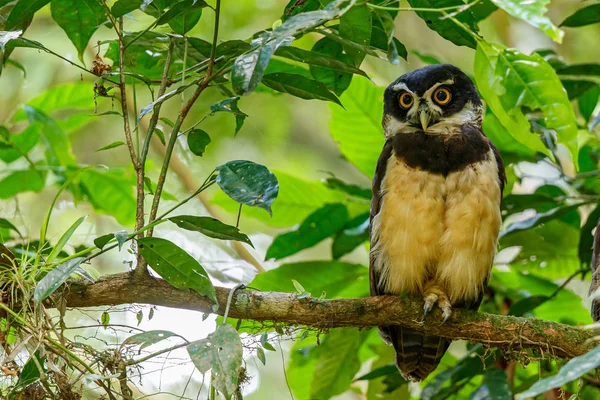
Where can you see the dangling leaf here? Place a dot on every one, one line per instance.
(210, 227)
(222, 353)
(197, 140)
(248, 183)
(532, 12)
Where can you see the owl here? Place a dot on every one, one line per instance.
(436, 207)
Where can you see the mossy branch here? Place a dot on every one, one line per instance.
(513, 334)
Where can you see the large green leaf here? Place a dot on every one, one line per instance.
(110, 193)
(58, 146)
(357, 128)
(336, 278)
(22, 181)
(22, 12)
(21, 143)
(565, 307)
(210, 227)
(510, 81)
(55, 278)
(248, 69)
(337, 362)
(296, 200)
(532, 12)
(79, 19)
(248, 183)
(317, 227)
(354, 233)
(180, 9)
(356, 26)
(299, 86)
(447, 28)
(222, 353)
(585, 16)
(574, 369)
(495, 386)
(71, 95)
(334, 80)
(318, 59)
(176, 266)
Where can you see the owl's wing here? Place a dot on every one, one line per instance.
(380, 169)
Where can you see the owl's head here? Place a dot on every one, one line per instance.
(433, 100)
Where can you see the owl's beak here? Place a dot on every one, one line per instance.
(424, 117)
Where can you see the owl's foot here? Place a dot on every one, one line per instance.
(435, 294)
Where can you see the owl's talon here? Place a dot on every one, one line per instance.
(435, 294)
(430, 301)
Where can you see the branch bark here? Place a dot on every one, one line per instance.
(509, 333)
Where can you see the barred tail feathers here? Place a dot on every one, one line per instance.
(417, 354)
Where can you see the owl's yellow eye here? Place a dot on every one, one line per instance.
(406, 100)
(442, 96)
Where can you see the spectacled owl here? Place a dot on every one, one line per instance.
(435, 213)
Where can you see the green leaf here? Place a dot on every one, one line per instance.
(79, 19)
(319, 59)
(22, 143)
(248, 183)
(101, 241)
(30, 372)
(336, 278)
(574, 369)
(352, 190)
(297, 198)
(317, 227)
(355, 233)
(110, 193)
(260, 354)
(147, 339)
(197, 140)
(537, 219)
(55, 278)
(447, 28)
(509, 81)
(111, 146)
(336, 362)
(210, 227)
(122, 7)
(355, 26)
(532, 12)
(22, 181)
(526, 305)
(222, 353)
(121, 237)
(384, 21)
(64, 239)
(585, 16)
(248, 69)
(105, 319)
(6, 224)
(299, 86)
(176, 266)
(565, 307)
(58, 146)
(495, 386)
(587, 102)
(336, 81)
(230, 105)
(180, 9)
(357, 128)
(23, 12)
(78, 96)
(184, 22)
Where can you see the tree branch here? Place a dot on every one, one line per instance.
(513, 334)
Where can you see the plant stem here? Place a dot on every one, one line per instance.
(181, 118)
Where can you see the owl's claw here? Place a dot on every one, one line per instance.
(434, 294)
